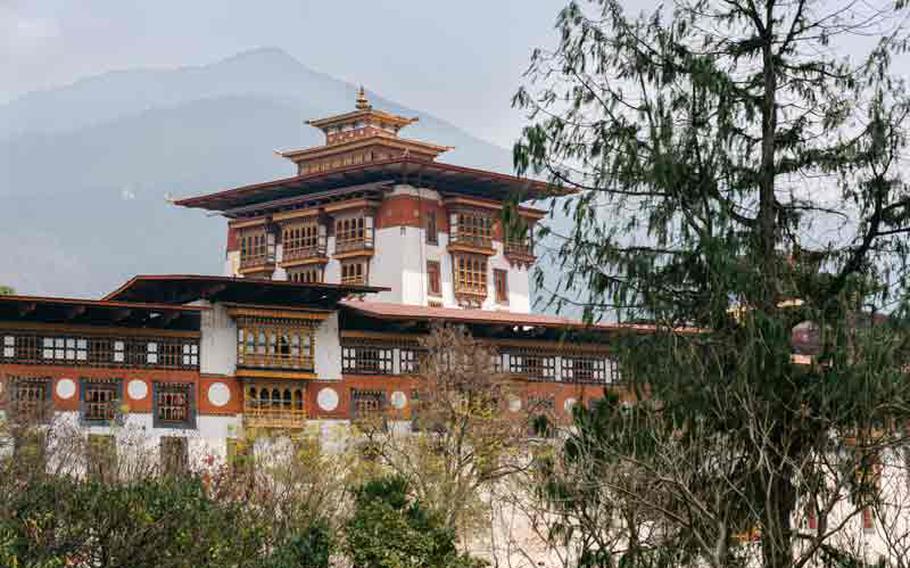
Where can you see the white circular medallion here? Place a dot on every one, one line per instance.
(66, 388)
(327, 399)
(514, 403)
(398, 399)
(137, 389)
(569, 404)
(219, 394)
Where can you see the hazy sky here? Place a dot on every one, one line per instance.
(461, 61)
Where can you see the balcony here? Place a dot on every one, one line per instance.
(274, 404)
(353, 247)
(258, 264)
(304, 255)
(264, 417)
(519, 253)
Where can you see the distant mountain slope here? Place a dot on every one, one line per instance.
(84, 169)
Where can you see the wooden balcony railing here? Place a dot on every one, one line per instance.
(351, 245)
(274, 417)
(471, 239)
(303, 253)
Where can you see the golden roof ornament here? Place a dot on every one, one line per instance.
(362, 102)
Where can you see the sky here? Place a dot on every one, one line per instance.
(461, 61)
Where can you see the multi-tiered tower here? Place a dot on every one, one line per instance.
(371, 207)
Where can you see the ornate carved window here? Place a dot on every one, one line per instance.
(519, 242)
(29, 399)
(354, 272)
(268, 404)
(353, 233)
(312, 274)
(301, 240)
(470, 275)
(173, 405)
(274, 343)
(257, 247)
(100, 400)
(366, 403)
(473, 228)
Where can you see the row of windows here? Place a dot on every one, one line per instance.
(166, 353)
(29, 399)
(304, 240)
(378, 360)
(594, 369)
(473, 228)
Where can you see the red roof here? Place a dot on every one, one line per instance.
(390, 311)
(439, 175)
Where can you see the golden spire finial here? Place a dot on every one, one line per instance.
(362, 102)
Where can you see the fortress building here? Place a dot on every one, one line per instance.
(332, 277)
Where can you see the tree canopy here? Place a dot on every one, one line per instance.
(739, 174)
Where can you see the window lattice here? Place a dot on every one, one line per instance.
(532, 365)
(29, 398)
(301, 240)
(352, 233)
(354, 272)
(367, 359)
(470, 274)
(583, 369)
(254, 248)
(155, 353)
(173, 404)
(434, 279)
(501, 285)
(100, 399)
(407, 361)
(276, 343)
(366, 403)
(474, 228)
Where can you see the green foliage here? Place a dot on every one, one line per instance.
(60, 521)
(6, 290)
(389, 529)
(736, 180)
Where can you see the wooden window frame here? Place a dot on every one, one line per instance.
(470, 274)
(29, 399)
(589, 369)
(305, 239)
(473, 228)
(95, 395)
(311, 274)
(434, 278)
(105, 351)
(267, 343)
(351, 275)
(275, 404)
(257, 247)
(353, 232)
(366, 403)
(367, 359)
(166, 404)
(501, 285)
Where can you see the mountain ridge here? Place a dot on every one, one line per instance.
(104, 153)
